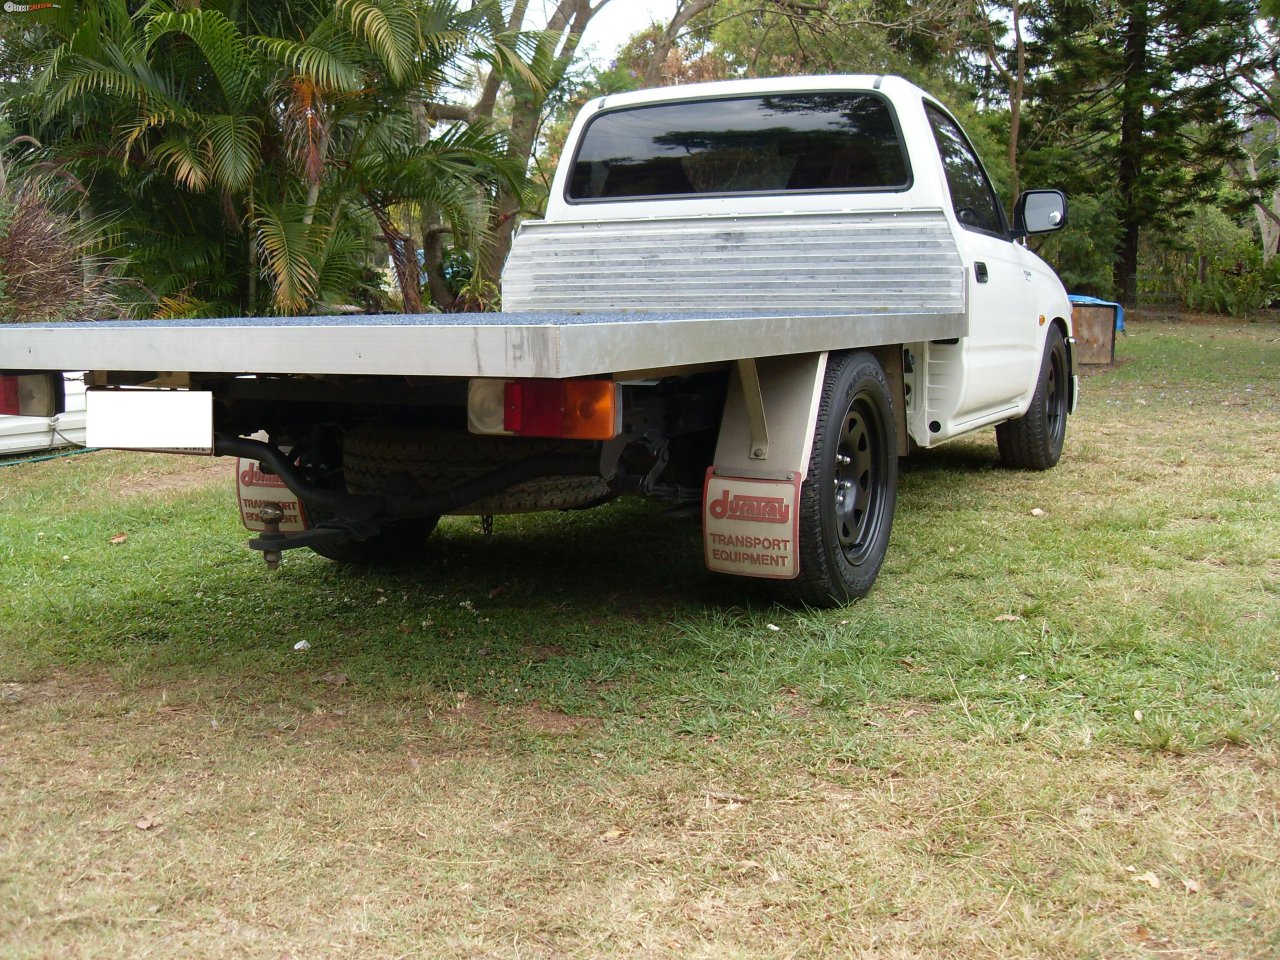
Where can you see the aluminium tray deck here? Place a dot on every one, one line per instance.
(551, 344)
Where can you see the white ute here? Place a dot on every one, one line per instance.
(753, 296)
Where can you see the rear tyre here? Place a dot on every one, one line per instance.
(400, 542)
(848, 497)
(1034, 441)
(428, 460)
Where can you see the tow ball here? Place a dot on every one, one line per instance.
(271, 515)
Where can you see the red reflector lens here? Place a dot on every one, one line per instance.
(572, 409)
(10, 402)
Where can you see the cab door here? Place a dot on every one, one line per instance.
(1003, 328)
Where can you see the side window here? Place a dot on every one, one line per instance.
(972, 197)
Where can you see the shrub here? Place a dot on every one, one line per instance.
(48, 266)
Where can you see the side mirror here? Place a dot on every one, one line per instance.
(1040, 211)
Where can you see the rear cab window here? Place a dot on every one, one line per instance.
(776, 143)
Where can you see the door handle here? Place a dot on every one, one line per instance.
(980, 271)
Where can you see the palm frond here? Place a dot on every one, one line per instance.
(340, 259)
(287, 248)
(180, 158)
(225, 49)
(514, 55)
(383, 28)
(234, 142)
(325, 67)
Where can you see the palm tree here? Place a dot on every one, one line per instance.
(233, 144)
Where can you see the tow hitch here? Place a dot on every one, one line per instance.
(360, 516)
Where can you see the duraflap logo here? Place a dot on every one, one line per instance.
(252, 476)
(747, 508)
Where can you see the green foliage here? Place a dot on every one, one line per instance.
(240, 152)
(1084, 253)
(1218, 268)
(919, 41)
(1141, 95)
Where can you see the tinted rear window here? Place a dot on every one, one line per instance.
(771, 144)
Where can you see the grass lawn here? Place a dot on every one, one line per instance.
(1040, 736)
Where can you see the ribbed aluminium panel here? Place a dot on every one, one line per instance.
(878, 263)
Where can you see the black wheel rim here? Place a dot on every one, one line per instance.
(860, 475)
(1055, 397)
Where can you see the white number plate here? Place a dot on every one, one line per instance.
(176, 421)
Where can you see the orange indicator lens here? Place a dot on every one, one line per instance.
(572, 409)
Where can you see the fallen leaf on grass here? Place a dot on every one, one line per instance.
(1192, 886)
(1149, 878)
(1008, 618)
(1037, 512)
(614, 835)
(148, 823)
(120, 537)
(1138, 715)
(302, 645)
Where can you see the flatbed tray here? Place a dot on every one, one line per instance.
(456, 345)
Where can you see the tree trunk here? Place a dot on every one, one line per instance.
(404, 258)
(560, 43)
(1132, 125)
(1268, 217)
(685, 11)
(502, 225)
(433, 262)
(1016, 89)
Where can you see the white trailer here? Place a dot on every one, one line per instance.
(753, 296)
(63, 427)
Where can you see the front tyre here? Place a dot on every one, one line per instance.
(1034, 441)
(849, 494)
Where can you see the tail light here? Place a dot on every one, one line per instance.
(568, 409)
(30, 395)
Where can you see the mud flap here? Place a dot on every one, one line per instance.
(750, 526)
(751, 498)
(256, 489)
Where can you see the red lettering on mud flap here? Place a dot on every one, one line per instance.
(256, 489)
(750, 527)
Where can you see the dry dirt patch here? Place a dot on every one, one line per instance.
(177, 475)
(59, 688)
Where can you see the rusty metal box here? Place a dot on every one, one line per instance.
(1095, 332)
